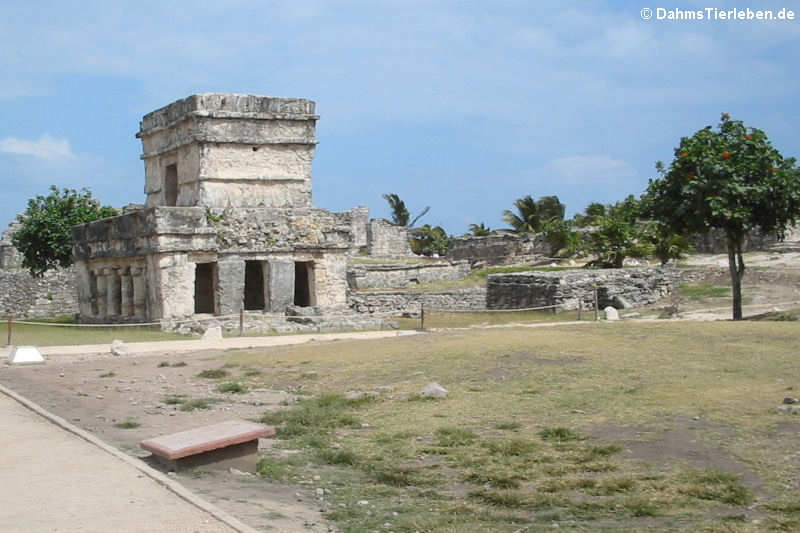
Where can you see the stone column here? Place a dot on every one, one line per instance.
(139, 292)
(101, 292)
(230, 285)
(279, 285)
(126, 293)
(112, 292)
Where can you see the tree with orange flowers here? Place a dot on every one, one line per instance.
(732, 179)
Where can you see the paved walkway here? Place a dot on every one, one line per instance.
(56, 478)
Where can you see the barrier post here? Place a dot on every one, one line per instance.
(10, 324)
(422, 316)
(596, 313)
(241, 322)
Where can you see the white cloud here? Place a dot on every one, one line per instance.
(590, 169)
(45, 147)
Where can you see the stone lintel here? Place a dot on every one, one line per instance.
(206, 439)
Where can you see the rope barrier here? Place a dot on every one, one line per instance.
(493, 310)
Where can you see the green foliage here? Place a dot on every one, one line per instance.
(479, 230)
(619, 235)
(326, 412)
(715, 485)
(532, 214)
(45, 238)
(215, 373)
(560, 434)
(732, 179)
(563, 240)
(232, 387)
(667, 245)
(427, 240)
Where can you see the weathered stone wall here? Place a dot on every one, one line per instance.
(401, 275)
(384, 239)
(9, 255)
(500, 249)
(23, 296)
(409, 302)
(358, 220)
(618, 287)
(714, 242)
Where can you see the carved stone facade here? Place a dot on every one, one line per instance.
(228, 224)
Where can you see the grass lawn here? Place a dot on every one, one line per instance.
(600, 427)
(441, 319)
(50, 334)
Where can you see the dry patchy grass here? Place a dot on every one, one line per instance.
(546, 425)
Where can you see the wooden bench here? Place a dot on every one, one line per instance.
(231, 442)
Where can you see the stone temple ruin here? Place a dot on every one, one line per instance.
(228, 222)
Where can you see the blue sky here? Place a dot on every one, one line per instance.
(463, 106)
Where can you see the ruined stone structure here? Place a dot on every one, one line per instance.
(402, 275)
(9, 255)
(616, 287)
(228, 222)
(500, 249)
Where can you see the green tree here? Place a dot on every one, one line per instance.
(45, 237)
(427, 240)
(564, 241)
(532, 214)
(590, 216)
(732, 179)
(619, 235)
(667, 245)
(479, 230)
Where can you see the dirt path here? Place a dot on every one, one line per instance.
(101, 392)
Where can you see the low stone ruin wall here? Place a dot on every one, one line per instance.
(384, 239)
(409, 302)
(23, 296)
(331, 320)
(500, 249)
(401, 275)
(617, 287)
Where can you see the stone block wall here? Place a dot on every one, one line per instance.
(500, 249)
(9, 255)
(409, 302)
(384, 239)
(617, 287)
(23, 296)
(400, 275)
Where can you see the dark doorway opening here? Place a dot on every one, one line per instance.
(253, 285)
(171, 185)
(304, 284)
(204, 288)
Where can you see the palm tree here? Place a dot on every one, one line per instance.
(479, 230)
(400, 214)
(532, 214)
(526, 219)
